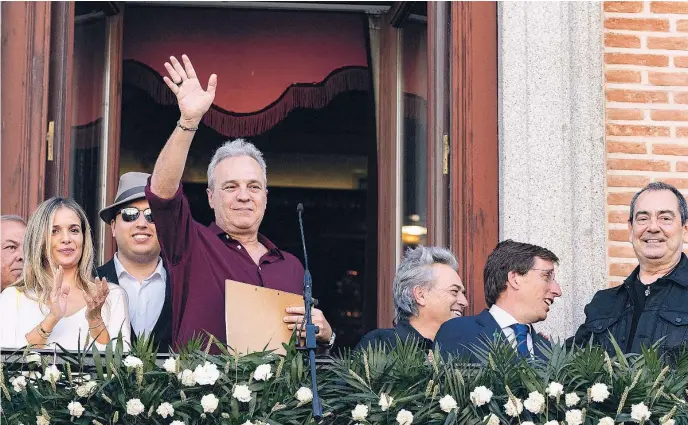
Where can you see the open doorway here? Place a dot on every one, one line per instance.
(320, 147)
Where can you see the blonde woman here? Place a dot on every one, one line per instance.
(56, 301)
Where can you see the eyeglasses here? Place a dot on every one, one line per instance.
(549, 276)
(130, 214)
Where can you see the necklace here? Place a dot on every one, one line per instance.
(649, 285)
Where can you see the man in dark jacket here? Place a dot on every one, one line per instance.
(137, 266)
(427, 292)
(652, 303)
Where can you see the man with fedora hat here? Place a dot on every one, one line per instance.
(137, 266)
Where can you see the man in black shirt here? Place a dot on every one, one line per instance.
(652, 303)
(427, 292)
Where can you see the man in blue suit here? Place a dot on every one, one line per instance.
(520, 287)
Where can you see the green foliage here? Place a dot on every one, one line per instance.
(383, 380)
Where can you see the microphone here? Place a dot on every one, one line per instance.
(311, 329)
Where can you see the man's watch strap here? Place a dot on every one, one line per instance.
(330, 343)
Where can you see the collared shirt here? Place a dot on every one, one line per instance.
(505, 320)
(145, 299)
(200, 259)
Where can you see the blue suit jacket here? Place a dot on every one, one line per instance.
(458, 336)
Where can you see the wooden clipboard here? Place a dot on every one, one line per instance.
(254, 317)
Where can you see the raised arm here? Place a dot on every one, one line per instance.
(193, 102)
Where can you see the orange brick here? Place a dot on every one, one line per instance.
(637, 96)
(621, 40)
(636, 130)
(622, 198)
(618, 235)
(681, 131)
(681, 61)
(682, 25)
(682, 166)
(622, 76)
(621, 269)
(623, 6)
(636, 59)
(626, 147)
(625, 251)
(649, 24)
(624, 114)
(681, 97)
(677, 183)
(614, 283)
(667, 115)
(638, 164)
(668, 43)
(669, 149)
(668, 78)
(669, 7)
(617, 217)
(627, 181)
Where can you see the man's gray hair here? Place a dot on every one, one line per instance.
(12, 217)
(415, 270)
(234, 148)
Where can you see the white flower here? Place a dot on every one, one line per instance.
(571, 399)
(210, 402)
(360, 412)
(481, 395)
(170, 365)
(177, 423)
(385, 401)
(135, 407)
(535, 403)
(187, 378)
(18, 383)
(605, 421)
(132, 362)
(304, 395)
(206, 374)
(493, 419)
(513, 407)
(555, 389)
(242, 393)
(248, 423)
(263, 372)
(32, 374)
(42, 420)
(165, 410)
(87, 389)
(551, 423)
(640, 412)
(574, 417)
(76, 409)
(33, 358)
(52, 374)
(447, 403)
(599, 392)
(404, 417)
(527, 423)
(669, 422)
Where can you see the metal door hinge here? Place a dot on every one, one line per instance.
(445, 154)
(50, 138)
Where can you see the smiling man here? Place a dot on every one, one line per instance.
(520, 287)
(652, 303)
(427, 292)
(137, 266)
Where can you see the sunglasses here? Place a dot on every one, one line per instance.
(130, 214)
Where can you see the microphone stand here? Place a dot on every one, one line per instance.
(311, 329)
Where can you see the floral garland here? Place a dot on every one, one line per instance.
(401, 386)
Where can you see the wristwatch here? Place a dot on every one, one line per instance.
(330, 343)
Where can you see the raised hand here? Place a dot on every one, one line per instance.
(59, 294)
(192, 99)
(95, 298)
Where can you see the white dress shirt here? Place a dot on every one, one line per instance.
(145, 299)
(505, 320)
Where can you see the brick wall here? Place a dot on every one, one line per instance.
(646, 74)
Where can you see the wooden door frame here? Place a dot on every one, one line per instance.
(474, 147)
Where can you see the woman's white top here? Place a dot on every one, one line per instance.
(19, 315)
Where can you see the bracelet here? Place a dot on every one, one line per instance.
(102, 322)
(42, 332)
(179, 124)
